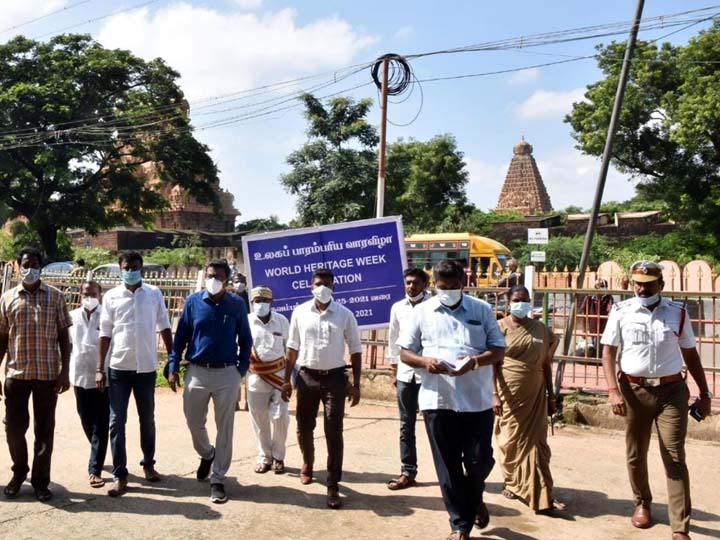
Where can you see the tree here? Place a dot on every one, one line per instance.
(80, 124)
(562, 251)
(261, 225)
(334, 173)
(669, 135)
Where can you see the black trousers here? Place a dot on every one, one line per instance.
(93, 407)
(461, 446)
(17, 420)
(312, 389)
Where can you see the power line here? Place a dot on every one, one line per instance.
(41, 17)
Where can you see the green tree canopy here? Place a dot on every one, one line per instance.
(669, 134)
(261, 225)
(79, 123)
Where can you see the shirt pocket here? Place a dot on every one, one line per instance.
(475, 336)
(635, 334)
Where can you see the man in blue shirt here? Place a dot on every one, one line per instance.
(456, 340)
(214, 329)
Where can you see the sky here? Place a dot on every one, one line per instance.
(226, 50)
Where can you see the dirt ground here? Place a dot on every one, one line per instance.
(588, 466)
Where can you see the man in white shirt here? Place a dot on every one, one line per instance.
(269, 412)
(93, 404)
(406, 378)
(319, 330)
(131, 315)
(655, 337)
(455, 338)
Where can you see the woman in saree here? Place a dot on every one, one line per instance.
(523, 401)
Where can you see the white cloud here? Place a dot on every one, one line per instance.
(18, 12)
(404, 33)
(219, 52)
(549, 104)
(525, 76)
(248, 4)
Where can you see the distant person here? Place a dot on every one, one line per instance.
(93, 404)
(34, 322)
(524, 394)
(594, 311)
(651, 337)
(269, 412)
(319, 331)
(457, 403)
(427, 268)
(405, 378)
(213, 333)
(514, 277)
(132, 314)
(79, 269)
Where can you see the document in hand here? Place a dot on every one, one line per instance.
(457, 364)
(453, 358)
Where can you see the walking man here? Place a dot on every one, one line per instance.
(655, 337)
(405, 378)
(269, 412)
(455, 338)
(34, 322)
(319, 330)
(93, 404)
(131, 314)
(213, 333)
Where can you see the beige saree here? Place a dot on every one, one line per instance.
(521, 429)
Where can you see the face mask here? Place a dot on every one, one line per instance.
(240, 287)
(449, 297)
(131, 277)
(322, 294)
(520, 309)
(261, 309)
(30, 275)
(649, 301)
(213, 286)
(415, 299)
(90, 303)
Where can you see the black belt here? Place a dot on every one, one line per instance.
(321, 372)
(213, 365)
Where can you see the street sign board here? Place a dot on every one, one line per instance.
(537, 236)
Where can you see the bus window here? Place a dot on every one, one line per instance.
(483, 266)
(502, 259)
(496, 270)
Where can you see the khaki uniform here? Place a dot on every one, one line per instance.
(649, 347)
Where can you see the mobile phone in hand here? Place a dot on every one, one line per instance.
(695, 413)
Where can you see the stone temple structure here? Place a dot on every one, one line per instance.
(524, 190)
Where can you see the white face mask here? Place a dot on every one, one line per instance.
(649, 301)
(30, 275)
(261, 309)
(520, 309)
(449, 297)
(322, 294)
(213, 286)
(417, 298)
(90, 303)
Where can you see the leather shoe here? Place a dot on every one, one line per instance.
(333, 498)
(641, 518)
(118, 488)
(151, 475)
(680, 536)
(306, 473)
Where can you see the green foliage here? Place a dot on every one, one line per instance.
(468, 218)
(64, 173)
(261, 225)
(639, 203)
(8, 252)
(565, 251)
(94, 256)
(675, 246)
(669, 134)
(22, 235)
(185, 256)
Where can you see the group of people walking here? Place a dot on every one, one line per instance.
(471, 376)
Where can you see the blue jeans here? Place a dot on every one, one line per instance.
(142, 385)
(407, 396)
(461, 444)
(93, 407)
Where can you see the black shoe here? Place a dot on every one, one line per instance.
(204, 469)
(13, 487)
(482, 518)
(43, 494)
(217, 493)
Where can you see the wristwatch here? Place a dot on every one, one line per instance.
(709, 394)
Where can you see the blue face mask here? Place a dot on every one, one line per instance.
(520, 309)
(131, 277)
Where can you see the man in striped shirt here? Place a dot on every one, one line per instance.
(34, 322)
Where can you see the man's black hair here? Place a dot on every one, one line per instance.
(30, 252)
(130, 257)
(80, 262)
(449, 269)
(93, 283)
(220, 264)
(324, 273)
(417, 273)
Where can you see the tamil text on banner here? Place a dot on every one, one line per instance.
(367, 258)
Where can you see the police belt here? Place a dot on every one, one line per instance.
(651, 381)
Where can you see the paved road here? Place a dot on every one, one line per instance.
(589, 471)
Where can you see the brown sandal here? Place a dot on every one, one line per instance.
(262, 468)
(96, 481)
(401, 482)
(509, 494)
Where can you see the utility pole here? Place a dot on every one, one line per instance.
(380, 199)
(599, 189)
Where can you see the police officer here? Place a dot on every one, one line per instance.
(655, 337)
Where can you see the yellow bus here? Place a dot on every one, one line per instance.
(485, 259)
